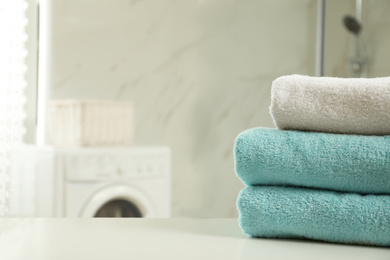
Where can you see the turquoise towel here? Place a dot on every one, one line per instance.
(286, 212)
(327, 161)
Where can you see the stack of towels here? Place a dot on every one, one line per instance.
(324, 174)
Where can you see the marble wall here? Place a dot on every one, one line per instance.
(199, 73)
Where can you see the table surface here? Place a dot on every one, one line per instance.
(159, 239)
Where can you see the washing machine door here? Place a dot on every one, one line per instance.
(118, 201)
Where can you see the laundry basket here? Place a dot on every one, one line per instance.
(90, 123)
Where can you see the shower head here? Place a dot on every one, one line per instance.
(352, 24)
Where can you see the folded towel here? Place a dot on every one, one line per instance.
(309, 159)
(336, 105)
(281, 212)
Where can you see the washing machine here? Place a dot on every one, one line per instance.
(92, 182)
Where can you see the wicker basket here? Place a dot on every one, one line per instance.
(90, 123)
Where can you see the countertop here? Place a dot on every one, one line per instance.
(159, 239)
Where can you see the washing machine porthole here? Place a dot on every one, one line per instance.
(118, 208)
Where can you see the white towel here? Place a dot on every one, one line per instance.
(335, 105)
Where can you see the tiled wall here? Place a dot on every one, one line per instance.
(199, 73)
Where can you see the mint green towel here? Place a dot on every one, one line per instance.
(327, 161)
(286, 212)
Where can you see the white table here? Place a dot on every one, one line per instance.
(112, 239)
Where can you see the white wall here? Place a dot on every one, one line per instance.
(199, 72)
